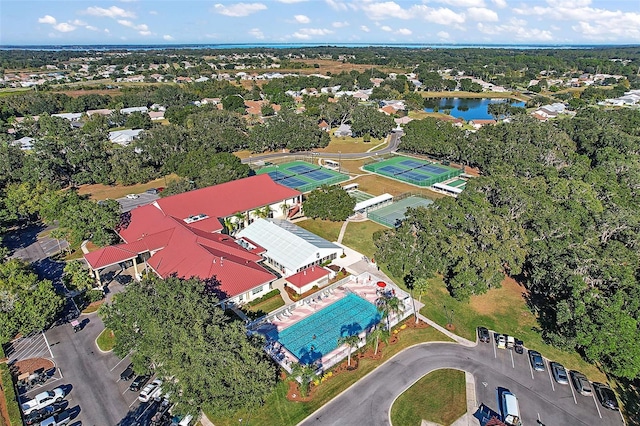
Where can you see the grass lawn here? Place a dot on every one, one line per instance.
(106, 340)
(103, 192)
(346, 144)
(266, 306)
(359, 236)
(505, 311)
(278, 410)
(323, 228)
(438, 397)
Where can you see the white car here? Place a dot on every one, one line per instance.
(133, 196)
(42, 400)
(150, 391)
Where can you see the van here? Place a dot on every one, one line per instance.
(510, 409)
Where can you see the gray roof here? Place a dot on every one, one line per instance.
(286, 243)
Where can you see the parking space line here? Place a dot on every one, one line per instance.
(116, 366)
(593, 394)
(134, 401)
(48, 346)
(531, 369)
(125, 391)
(553, 388)
(513, 364)
(572, 392)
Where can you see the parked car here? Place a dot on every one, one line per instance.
(133, 196)
(152, 191)
(483, 334)
(519, 347)
(511, 342)
(139, 382)
(150, 391)
(606, 396)
(128, 373)
(60, 419)
(42, 400)
(581, 383)
(501, 341)
(35, 417)
(536, 360)
(559, 373)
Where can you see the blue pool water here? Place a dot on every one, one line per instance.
(470, 109)
(349, 315)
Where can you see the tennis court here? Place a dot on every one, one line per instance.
(414, 171)
(458, 183)
(302, 176)
(393, 214)
(360, 196)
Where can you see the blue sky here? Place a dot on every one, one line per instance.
(26, 22)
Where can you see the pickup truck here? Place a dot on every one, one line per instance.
(42, 399)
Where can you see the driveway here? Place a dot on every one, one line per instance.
(27, 243)
(369, 400)
(144, 198)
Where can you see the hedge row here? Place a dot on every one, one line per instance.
(267, 296)
(10, 396)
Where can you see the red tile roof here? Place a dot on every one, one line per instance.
(307, 276)
(197, 249)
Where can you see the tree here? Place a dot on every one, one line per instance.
(27, 304)
(329, 203)
(233, 103)
(176, 327)
(378, 333)
(389, 305)
(77, 277)
(368, 120)
(352, 342)
(304, 374)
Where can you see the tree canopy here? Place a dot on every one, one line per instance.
(330, 203)
(175, 327)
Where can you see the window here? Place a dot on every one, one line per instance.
(257, 290)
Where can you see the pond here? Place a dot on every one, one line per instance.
(468, 108)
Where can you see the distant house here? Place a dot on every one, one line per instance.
(124, 137)
(126, 111)
(25, 144)
(323, 125)
(308, 278)
(343, 130)
(71, 116)
(156, 115)
(479, 123)
(388, 109)
(103, 111)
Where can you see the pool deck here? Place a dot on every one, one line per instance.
(363, 285)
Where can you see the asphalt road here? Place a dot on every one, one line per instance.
(128, 204)
(369, 400)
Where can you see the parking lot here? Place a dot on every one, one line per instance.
(541, 399)
(144, 198)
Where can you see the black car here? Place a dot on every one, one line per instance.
(483, 334)
(128, 373)
(139, 382)
(35, 417)
(606, 396)
(536, 360)
(519, 347)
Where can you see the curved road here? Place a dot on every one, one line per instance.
(393, 146)
(369, 401)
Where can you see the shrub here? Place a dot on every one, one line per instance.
(267, 296)
(94, 295)
(10, 395)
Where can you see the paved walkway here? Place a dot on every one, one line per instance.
(342, 231)
(279, 284)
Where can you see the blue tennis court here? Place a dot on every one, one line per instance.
(302, 168)
(392, 169)
(278, 176)
(317, 335)
(292, 182)
(412, 163)
(433, 169)
(412, 174)
(319, 175)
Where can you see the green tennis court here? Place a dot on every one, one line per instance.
(360, 196)
(302, 176)
(393, 214)
(412, 170)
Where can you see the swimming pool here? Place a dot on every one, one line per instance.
(349, 315)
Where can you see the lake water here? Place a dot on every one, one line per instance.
(469, 108)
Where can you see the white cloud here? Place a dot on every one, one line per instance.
(500, 3)
(292, 1)
(256, 33)
(79, 23)
(302, 19)
(364, 28)
(338, 24)
(314, 31)
(47, 19)
(112, 12)
(516, 29)
(139, 27)
(482, 14)
(404, 31)
(380, 11)
(91, 28)
(144, 33)
(443, 35)
(153, 12)
(442, 16)
(64, 27)
(106, 30)
(336, 5)
(239, 9)
(463, 3)
(167, 37)
(386, 28)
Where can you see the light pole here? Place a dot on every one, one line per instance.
(339, 161)
(449, 314)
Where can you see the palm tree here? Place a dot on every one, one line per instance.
(284, 208)
(376, 334)
(352, 341)
(304, 374)
(239, 222)
(388, 305)
(229, 225)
